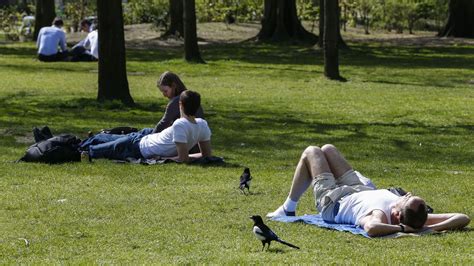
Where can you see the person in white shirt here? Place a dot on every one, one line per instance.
(173, 142)
(88, 48)
(341, 197)
(49, 39)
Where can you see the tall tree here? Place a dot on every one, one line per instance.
(330, 38)
(280, 23)
(176, 19)
(45, 14)
(461, 19)
(113, 83)
(321, 23)
(341, 43)
(23, 6)
(191, 48)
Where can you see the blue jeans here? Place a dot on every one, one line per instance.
(104, 138)
(118, 147)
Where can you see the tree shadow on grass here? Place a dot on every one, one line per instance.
(18, 51)
(411, 57)
(261, 134)
(258, 133)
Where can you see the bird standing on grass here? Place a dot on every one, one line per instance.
(265, 234)
(245, 179)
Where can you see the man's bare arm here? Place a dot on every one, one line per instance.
(376, 224)
(447, 221)
(183, 153)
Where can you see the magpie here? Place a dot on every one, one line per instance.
(245, 179)
(265, 234)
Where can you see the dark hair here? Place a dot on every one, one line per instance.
(414, 218)
(58, 22)
(191, 101)
(86, 22)
(168, 79)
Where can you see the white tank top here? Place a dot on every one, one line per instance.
(356, 206)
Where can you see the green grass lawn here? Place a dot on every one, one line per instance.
(404, 118)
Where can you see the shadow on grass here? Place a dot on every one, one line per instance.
(358, 55)
(274, 132)
(274, 58)
(257, 133)
(18, 51)
(411, 57)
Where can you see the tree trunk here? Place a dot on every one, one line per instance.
(113, 83)
(280, 23)
(191, 48)
(176, 19)
(461, 19)
(341, 43)
(45, 15)
(23, 6)
(330, 37)
(321, 23)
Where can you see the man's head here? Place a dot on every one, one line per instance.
(58, 22)
(412, 211)
(189, 102)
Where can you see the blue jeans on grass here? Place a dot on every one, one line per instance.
(104, 138)
(118, 147)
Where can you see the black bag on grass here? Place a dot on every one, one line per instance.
(119, 130)
(58, 149)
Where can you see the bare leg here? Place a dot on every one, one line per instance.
(311, 164)
(336, 161)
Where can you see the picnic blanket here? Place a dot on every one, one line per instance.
(316, 219)
(201, 161)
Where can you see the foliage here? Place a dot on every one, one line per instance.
(247, 10)
(404, 118)
(221, 11)
(146, 11)
(11, 24)
(397, 14)
(76, 11)
(307, 11)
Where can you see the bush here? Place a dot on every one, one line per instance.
(146, 11)
(229, 11)
(10, 21)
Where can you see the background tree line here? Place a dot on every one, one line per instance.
(281, 21)
(391, 15)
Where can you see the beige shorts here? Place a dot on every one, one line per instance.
(328, 190)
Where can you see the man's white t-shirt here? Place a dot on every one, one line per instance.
(48, 40)
(182, 131)
(356, 206)
(92, 41)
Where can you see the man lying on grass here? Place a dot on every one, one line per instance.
(173, 142)
(342, 198)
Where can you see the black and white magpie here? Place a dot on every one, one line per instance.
(245, 179)
(265, 234)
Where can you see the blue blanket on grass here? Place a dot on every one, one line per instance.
(315, 219)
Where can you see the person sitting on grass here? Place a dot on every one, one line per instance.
(171, 86)
(87, 50)
(174, 142)
(49, 38)
(342, 198)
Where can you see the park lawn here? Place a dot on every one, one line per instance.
(404, 118)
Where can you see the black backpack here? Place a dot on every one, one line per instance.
(119, 130)
(58, 149)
